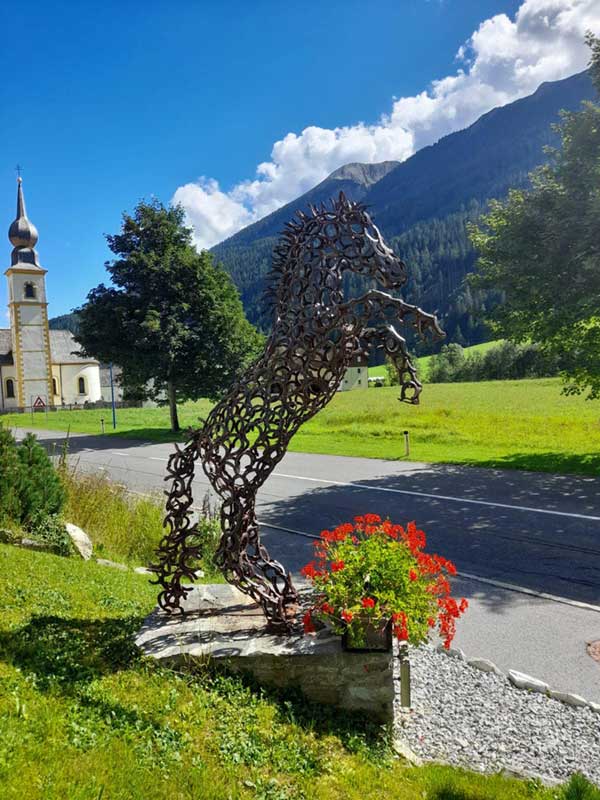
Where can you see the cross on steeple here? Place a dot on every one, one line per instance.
(18, 170)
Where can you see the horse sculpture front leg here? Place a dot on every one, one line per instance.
(383, 308)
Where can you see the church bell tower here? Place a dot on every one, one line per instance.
(28, 311)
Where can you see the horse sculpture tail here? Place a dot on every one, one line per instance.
(176, 554)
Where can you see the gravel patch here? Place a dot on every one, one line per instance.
(464, 716)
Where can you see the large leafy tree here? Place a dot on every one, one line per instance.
(172, 319)
(541, 249)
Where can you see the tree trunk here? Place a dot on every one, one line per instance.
(173, 407)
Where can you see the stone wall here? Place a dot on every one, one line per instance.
(224, 625)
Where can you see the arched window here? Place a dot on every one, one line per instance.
(81, 383)
(54, 386)
(30, 291)
(10, 388)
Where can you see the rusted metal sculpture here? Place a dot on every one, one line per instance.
(316, 334)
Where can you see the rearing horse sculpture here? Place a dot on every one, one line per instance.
(316, 335)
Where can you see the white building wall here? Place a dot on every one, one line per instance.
(70, 383)
(7, 402)
(355, 378)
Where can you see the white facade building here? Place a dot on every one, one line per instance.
(38, 367)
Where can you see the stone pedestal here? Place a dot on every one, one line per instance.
(223, 624)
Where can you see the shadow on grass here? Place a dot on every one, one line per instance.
(61, 653)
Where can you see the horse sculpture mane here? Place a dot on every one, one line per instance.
(316, 335)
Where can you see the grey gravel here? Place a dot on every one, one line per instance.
(464, 716)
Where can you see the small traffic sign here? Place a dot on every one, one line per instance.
(39, 403)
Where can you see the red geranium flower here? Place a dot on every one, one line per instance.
(413, 575)
(347, 616)
(368, 602)
(336, 566)
(308, 623)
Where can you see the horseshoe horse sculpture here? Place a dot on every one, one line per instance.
(316, 335)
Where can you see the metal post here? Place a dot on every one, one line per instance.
(102, 423)
(406, 443)
(112, 396)
(405, 699)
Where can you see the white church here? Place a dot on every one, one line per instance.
(39, 367)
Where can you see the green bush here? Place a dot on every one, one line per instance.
(30, 486)
(10, 478)
(49, 530)
(42, 492)
(506, 361)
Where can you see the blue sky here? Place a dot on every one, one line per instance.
(107, 103)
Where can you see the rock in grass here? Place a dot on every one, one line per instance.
(81, 541)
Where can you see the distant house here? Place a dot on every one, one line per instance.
(356, 377)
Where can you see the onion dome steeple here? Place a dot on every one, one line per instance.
(23, 234)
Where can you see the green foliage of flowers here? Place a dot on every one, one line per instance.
(372, 570)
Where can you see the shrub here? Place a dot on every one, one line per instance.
(49, 530)
(29, 484)
(371, 570)
(41, 489)
(10, 477)
(505, 361)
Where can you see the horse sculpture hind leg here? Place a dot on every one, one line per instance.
(246, 563)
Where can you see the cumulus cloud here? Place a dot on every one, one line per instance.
(503, 60)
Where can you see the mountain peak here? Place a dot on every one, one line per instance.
(364, 174)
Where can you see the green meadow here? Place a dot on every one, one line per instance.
(525, 424)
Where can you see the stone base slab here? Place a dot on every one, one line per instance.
(221, 623)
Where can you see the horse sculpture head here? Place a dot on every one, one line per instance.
(317, 249)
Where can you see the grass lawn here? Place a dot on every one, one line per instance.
(526, 424)
(83, 717)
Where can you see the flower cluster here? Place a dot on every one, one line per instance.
(372, 569)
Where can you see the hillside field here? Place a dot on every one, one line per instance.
(526, 424)
(423, 362)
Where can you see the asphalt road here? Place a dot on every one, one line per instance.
(535, 531)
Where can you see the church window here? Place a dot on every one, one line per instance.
(54, 386)
(10, 388)
(30, 291)
(81, 383)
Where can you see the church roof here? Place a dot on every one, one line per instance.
(65, 350)
(6, 359)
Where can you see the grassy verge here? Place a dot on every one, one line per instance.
(526, 424)
(123, 526)
(83, 717)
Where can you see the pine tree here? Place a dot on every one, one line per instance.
(40, 487)
(10, 478)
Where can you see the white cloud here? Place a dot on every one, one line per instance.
(503, 60)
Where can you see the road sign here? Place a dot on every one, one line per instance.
(39, 403)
